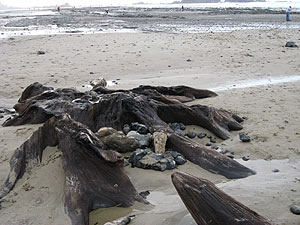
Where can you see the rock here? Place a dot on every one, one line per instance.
(143, 140)
(215, 147)
(213, 140)
(181, 126)
(244, 138)
(245, 158)
(100, 82)
(201, 135)
(230, 156)
(126, 163)
(121, 221)
(177, 127)
(40, 52)
(116, 140)
(295, 209)
(275, 170)
(144, 194)
(291, 44)
(191, 134)
(159, 140)
(140, 128)
(136, 156)
(146, 159)
(126, 129)
(178, 158)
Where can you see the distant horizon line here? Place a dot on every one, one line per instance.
(187, 2)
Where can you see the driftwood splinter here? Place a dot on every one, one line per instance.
(209, 205)
(95, 178)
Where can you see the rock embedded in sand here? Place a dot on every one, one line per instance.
(291, 44)
(144, 194)
(191, 134)
(177, 127)
(201, 135)
(245, 158)
(121, 221)
(230, 156)
(244, 138)
(100, 82)
(213, 140)
(146, 159)
(179, 158)
(159, 141)
(40, 52)
(295, 209)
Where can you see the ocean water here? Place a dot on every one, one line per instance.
(47, 21)
(274, 4)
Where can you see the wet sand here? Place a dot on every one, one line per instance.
(205, 60)
(143, 19)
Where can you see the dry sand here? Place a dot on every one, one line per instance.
(209, 60)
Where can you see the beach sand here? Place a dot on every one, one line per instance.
(206, 60)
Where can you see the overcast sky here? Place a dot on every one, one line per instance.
(30, 3)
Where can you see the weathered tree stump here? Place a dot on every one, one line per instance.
(152, 106)
(94, 175)
(209, 205)
(95, 178)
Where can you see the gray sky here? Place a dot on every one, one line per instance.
(31, 3)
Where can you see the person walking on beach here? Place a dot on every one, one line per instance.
(288, 11)
(58, 8)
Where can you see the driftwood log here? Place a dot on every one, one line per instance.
(153, 106)
(209, 205)
(95, 178)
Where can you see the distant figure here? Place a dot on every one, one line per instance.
(58, 8)
(288, 11)
(106, 10)
(182, 8)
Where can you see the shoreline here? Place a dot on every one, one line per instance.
(94, 20)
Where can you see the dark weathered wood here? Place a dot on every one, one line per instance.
(177, 92)
(95, 177)
(148, 105)
(207, 158)
(102, 107)
(209, 205)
